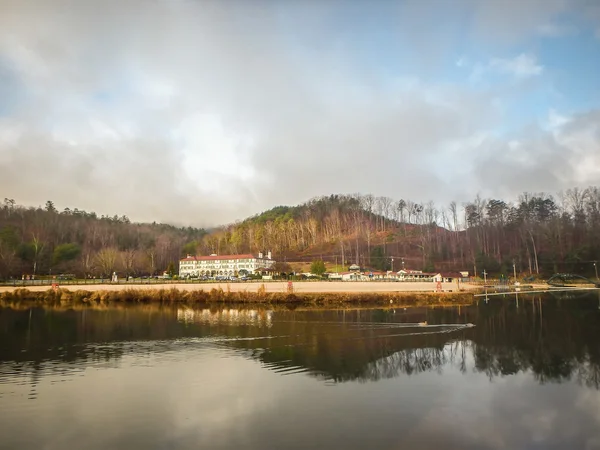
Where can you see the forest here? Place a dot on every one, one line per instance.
(45, 241)
(538, 234)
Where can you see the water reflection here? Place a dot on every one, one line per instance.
(231, 316)
(151, 377)
(553, 339)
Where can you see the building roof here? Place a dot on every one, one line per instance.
(218, 257)
(451, 274)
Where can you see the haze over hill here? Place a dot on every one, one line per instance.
(202, 113)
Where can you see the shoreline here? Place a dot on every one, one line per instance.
(310, 294)
(299, 287)
(107, 295)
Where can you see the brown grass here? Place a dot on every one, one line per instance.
(67, 297)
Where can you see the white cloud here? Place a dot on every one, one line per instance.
(554, 30)
(521, 66)
(552, 159)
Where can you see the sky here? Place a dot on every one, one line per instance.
(198, 112)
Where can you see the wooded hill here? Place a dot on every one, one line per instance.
(539, 233)
(45, 241)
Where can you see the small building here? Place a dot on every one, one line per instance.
(377, 275)
(449, 277)
(409, 275)
(353, 276)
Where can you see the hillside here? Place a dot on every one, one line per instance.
(537, 233)
(44, 241)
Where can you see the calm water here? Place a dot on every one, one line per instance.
(148, 378)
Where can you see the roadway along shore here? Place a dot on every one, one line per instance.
(313, 287)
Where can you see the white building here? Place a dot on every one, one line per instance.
(353, 276)
(409, 275)
(223, 265)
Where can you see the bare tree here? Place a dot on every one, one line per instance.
(106, 260)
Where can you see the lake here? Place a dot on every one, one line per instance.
(525, 376)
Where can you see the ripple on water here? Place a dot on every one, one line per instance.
(102, 356)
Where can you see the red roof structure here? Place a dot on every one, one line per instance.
(451, 274)
(217, 257)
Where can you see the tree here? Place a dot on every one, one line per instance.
(65, 252)
(128, 259)
(50, 207)
(38, 247)
(282, 267)
(318, 267)
(9, 243)
(429, 267)
(86, 262)
(191, 248)
(106, 260)
(171, 269)
(379, 260)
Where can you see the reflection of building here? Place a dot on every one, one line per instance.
(226, 265)
(251, 317)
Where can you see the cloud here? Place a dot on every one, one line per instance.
(206, 112)
(521, 66)
(554, 30)
(562, 155)
(508, 23)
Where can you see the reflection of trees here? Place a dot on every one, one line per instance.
(359, 345)
(554, 339)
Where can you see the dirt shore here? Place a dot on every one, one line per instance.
(314, 287)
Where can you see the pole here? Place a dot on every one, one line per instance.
(596, 269)
(484, 277)
(515, 271)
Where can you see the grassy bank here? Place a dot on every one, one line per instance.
(65, 297)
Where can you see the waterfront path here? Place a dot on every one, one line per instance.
(300, 287)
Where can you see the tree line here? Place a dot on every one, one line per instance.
(44, 241)
(537, 234)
